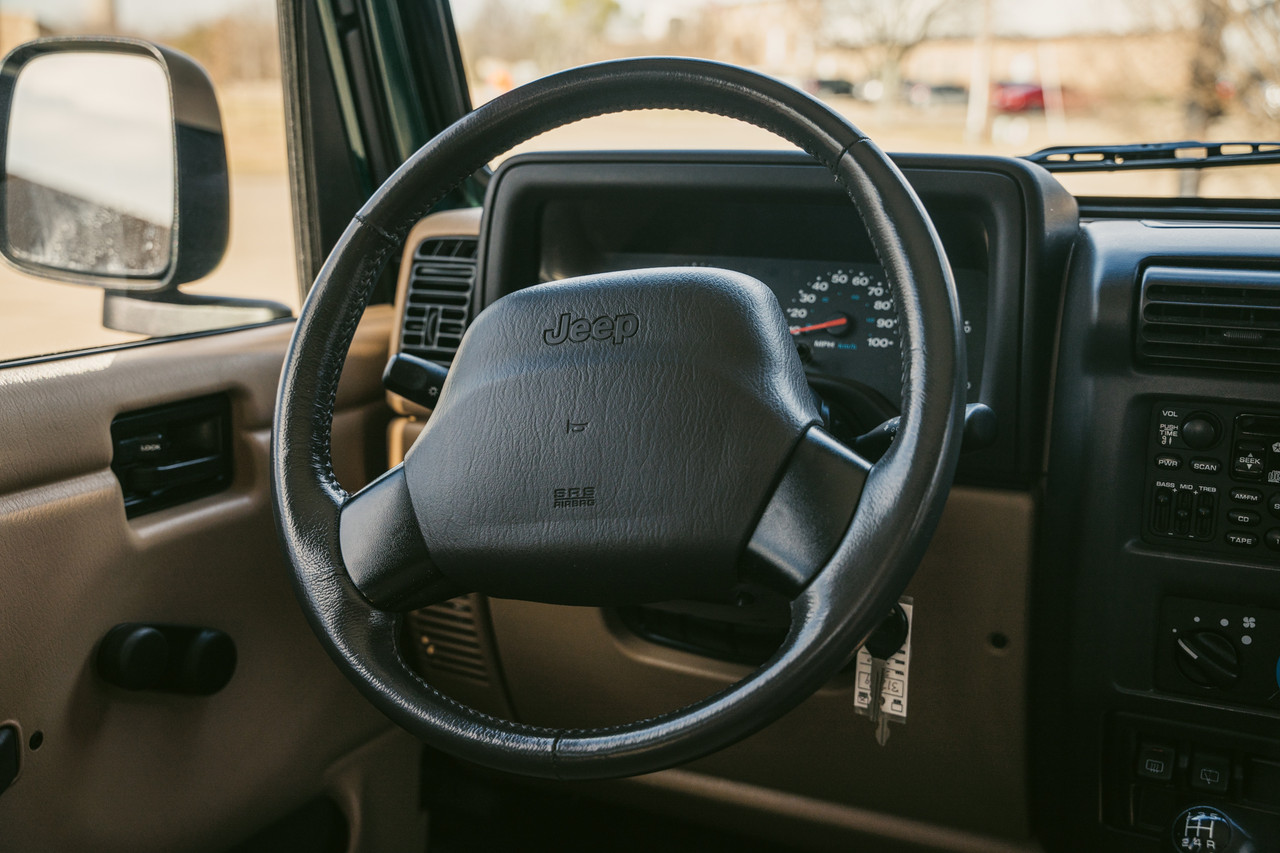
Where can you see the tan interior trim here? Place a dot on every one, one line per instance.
(377, 788)
(463, 222)
(793, 819)
(122, 770)
(960, 762)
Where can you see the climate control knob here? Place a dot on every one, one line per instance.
(1200, 431)
(1208, 658)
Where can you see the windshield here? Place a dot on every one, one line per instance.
(948, 76)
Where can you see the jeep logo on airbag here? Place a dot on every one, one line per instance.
(603, 328)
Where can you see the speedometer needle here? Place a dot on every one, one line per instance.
(829, 324)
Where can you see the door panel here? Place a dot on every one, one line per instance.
(121, 770)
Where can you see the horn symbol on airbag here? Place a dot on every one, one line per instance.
(603, 328)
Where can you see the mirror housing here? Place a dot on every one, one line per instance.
(142, 293)
(199, 225)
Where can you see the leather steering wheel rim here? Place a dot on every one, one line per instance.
(901, 501)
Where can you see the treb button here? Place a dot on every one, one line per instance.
(1206, 466)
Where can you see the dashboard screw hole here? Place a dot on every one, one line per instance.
(36, 741)
(998, 641)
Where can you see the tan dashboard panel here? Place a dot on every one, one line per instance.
(960, 762)
(463, 222)
(133, 771)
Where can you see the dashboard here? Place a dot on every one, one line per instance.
(1005, 228)
(1098, 617)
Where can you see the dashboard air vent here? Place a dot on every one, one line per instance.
(438, 301)
(446, 638)
(1226, 318)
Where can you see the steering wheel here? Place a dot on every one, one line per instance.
(620, 439)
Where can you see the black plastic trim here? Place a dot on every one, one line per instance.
(171, 454)
(1029, 222)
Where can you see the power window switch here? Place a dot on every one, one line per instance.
(1155, 762)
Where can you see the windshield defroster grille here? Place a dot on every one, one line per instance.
(438, 301)
(1226, 318)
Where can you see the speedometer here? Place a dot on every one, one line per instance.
(844, 320)
(842, 314)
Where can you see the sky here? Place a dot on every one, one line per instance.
(1011, 17)
(1021, 17)
(145, 16)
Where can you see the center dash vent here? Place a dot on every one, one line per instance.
(446, 637)
(438, 300)
(1226, 318)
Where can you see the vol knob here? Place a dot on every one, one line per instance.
(1209, 659)
(1199, 431)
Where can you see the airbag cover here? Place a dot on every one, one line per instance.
(610, 439)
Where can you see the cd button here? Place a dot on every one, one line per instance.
(1243, 518)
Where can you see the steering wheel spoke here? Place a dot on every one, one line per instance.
(383, 550)
(807, 514)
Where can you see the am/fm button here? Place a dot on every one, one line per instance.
(1206, 466)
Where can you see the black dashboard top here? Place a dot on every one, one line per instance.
(1004, 224)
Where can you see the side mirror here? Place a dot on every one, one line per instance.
(115, 175)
